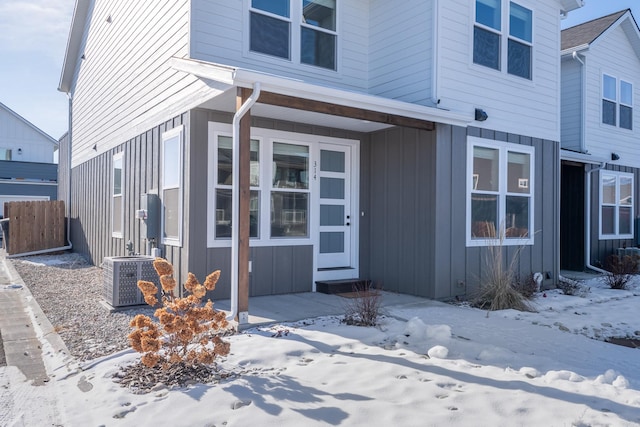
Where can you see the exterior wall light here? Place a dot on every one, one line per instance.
(481, 115)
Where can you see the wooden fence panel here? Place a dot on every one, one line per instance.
(35, 226)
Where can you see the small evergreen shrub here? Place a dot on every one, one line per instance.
(621, 270)
(187, 332)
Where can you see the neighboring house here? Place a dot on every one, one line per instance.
(27, 171)
(600, 134)
(390, 141)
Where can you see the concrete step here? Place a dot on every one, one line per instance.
(342, 286)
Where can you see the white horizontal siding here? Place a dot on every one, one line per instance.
(401, 56)
(124, 82)
(16, 134)
(571, 105)
(220, 35)
(612, 54)
(513, 104)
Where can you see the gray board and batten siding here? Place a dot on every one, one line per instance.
(601, 249)
(412, 194)
(414, 184)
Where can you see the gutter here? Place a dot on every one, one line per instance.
(587, 240)
(235, 201)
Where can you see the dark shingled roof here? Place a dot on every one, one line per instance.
(587, 32)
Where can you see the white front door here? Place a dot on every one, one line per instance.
(335, 245)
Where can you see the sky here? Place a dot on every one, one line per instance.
(425, 364)
(33, 39)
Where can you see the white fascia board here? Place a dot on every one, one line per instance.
(74, 42)
(575, 156)
(286, 86)
(569, 5)
(580, 49)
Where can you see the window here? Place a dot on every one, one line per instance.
(616, 205)
(490, 50)
(500, 193)
(117, 206)
(223, 184)
(5, 153)
(171, 186)
(617, 102)
(290, 190)
(302, 31)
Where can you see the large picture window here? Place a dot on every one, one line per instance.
(503, 37)
(303, 31)
(617, 102)
(117, 207)
(616, 205)
(500, 193)
(171, 175)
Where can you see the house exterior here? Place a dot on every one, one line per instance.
(27, 170)
(600, 158)
(357, 158)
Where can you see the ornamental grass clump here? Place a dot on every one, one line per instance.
(187, 332)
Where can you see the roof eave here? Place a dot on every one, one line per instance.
(569, 5)
(74, 42)
(241, 77)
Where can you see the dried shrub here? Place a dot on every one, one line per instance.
(621, 270)
(498, 284)
(571, 287)
(187, 332)
(527, 287)
(364, 308)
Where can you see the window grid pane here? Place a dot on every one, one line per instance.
(484, 216)
(277, 7)
(626, 117)
(488, 13)
(291, 166)
(609, 88)
(318, 48)
(269, 36)
(520, 22)
(519, 59)
(626, 93)
(289, 214)
(485, 169)
(608, 112)
(319, 13)
(486, 48)
(517, 219)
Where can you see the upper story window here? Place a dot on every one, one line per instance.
(616, 205)
(5, 153)
(493, 25)
(617, 102)
(500, 193)
(301, 31)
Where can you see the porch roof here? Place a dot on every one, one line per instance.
(283, 92)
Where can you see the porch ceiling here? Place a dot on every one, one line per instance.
(295, 100)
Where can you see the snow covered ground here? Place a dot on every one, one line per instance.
(441, 365)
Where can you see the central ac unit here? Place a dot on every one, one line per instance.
(121, 275)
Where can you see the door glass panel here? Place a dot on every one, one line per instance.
(332, 188)
(331, 161)
(332, 215)
(331, 242)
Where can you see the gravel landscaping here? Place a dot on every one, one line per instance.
(69, 291)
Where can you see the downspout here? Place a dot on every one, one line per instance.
(235, 201)
(69, 245)
(587, 250)
(435, 53)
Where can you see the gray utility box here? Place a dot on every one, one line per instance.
(121, 275)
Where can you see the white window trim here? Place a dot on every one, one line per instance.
(117, 156)
(504, 34)
(266, 137)
(504, 148)
(179, 132)
(617, 175)
(618, 102)
(294, 42)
